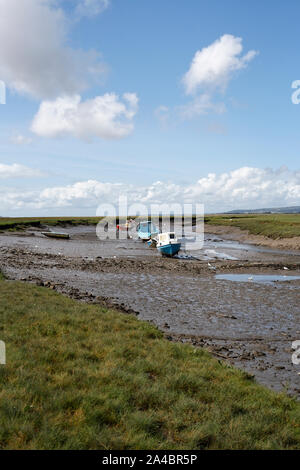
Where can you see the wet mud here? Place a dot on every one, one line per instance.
(250, 324)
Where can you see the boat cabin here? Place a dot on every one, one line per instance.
(166, 238)
(146, 229)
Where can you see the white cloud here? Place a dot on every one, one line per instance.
(201, 105)
(35, 57)
(18, 171)
(213, 66)
(91, 7)
(210, 71)
(249, 187)
(244, 188)
(21, 140)
(104, 116)
(85, 193)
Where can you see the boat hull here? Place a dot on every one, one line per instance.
(64, 236)
(144, 236)
(169, 250)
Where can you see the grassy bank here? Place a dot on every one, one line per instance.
(82, 377)
(270, 225)
(20, 223)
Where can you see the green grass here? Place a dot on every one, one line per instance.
(270, 225)
(80, 376)
(20, 223)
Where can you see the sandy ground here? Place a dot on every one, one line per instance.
(250, 324)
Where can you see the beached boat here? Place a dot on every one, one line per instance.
(146, 229)
(167, 244)
(64, 236)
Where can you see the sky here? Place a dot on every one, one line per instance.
(164, 101)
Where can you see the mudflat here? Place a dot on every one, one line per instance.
(251, 324)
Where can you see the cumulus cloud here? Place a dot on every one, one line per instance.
(35, 58)
(105, 116)
(249, 187)
(85, 194)
(91, 7)
(213, 66)
(209, 74)
(244, 188)
(18, 171)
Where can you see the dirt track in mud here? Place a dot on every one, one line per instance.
(252, 325)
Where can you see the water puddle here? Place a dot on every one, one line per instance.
(211, 254)
(260, 278)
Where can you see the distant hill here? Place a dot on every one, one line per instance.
(273, 210)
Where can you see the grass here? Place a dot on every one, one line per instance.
(270, 225)
(79, 376)
(20, 223)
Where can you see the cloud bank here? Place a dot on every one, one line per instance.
(243, 188)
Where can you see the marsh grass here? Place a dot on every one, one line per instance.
(80, 376)
(21, 223)
(270, 225)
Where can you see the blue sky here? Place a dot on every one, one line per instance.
(145, 48)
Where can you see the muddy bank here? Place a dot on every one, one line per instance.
(243, 236)
(248, 324)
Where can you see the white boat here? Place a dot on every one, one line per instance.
(167, 244)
